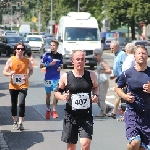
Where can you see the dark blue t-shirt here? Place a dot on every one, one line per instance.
(51, 71)
(134, 80)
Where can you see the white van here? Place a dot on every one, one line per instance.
(78, 31)
(24, 28)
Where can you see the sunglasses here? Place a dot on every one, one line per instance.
(22, 49)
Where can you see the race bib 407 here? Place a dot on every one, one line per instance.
(80, 101)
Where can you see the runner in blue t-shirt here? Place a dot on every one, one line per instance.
(137, 114)
(53, 62)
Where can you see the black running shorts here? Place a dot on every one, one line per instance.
(74, 125)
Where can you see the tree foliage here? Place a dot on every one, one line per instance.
(119, 12)
(128, 12)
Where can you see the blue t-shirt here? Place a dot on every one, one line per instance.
(51, 71)
(120, 57)
(135, 80)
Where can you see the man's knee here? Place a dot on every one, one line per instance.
(85, 144)
(71, 146)
(135, 144)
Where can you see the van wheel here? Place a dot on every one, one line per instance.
(64, 66)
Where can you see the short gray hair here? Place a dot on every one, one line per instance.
(130, 47)
(98, 51)
(114, 42)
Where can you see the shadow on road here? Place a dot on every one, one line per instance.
(4, 85)
(41, 109)
(2, 94)
(22, 140)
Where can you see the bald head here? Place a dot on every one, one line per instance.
(75, 52)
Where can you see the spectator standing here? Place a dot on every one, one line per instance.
(120, 57)
(128, 63)
(103, 75)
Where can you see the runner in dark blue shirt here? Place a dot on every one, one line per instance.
(137, 114)
(53, 62)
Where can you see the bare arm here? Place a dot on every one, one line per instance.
(128, 97)
(60, 88)
(106, 69)
(30, 69)
(7, 67)
(95, 84)
(95, 89)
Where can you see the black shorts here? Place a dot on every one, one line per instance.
(74, 125)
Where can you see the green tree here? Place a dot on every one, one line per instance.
(94, 7)
(128, 12)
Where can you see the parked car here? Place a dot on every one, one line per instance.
(46, 35)
(143, 43)
(122, 43)
(106, 45)
(8, 42)
(35, 41)
(46, 46)
(11, 32)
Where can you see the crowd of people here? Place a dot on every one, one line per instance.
(79, 88)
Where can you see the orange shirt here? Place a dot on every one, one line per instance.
(20, 66)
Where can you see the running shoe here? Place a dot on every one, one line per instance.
(47, 114)
(15, 126)
(112, 115)
(20, 127)
(54, 114)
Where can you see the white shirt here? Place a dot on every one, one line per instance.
(128, 63)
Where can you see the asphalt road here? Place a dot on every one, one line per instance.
(44, 134)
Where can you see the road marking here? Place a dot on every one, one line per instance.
(39, 112)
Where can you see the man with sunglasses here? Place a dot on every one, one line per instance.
(52, 60)
(119, 58)
(17, 68)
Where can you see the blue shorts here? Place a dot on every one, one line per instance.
(138, 126)
(51, 87)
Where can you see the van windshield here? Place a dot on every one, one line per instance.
(81, 34)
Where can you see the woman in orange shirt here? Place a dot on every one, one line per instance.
(17, 68)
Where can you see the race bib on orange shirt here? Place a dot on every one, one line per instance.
(18, 79)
